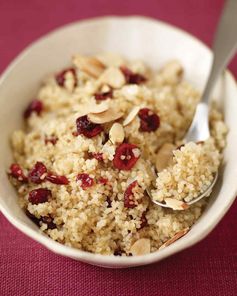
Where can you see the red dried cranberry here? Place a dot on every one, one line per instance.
(149, 121)
(17, 172)
(132, 78)
(49, 221)
(87, 128)
(35, 106)
(101, 96)
(86, 181)
(129, 196)
(124, 158)
(103, 181)
(38, 173)
(98, 156)
(118, 252)
(143, 220)
(39, 195)
(53, 140)
(59, 180)
(60, 77)
(33, 218)
(45, 219)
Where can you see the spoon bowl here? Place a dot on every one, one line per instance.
(224, 48)
(206, 193)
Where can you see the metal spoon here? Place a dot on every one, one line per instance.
(224, 48)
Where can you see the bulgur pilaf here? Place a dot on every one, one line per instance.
(100, 133)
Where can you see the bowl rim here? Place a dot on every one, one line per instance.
(98, 259)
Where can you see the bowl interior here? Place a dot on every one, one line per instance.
(135, 38)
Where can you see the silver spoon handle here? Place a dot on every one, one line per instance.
(224, 45)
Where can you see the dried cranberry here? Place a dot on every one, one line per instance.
(101, 96)
(45, 219)
(129, 196)
(49, 221)
(59, 180)
(97, 155)
(149, 121)
(118, 252)
(17, 172)
(39, 195)
(86, 181)
(33, 218)
(103, 181)
(124, 158)
(35, 106)
(143, 220)
(132, 78)
(60, 77)
(87, 128)
(38, 173)
(53, 140)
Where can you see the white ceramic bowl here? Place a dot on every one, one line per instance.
(133, 37)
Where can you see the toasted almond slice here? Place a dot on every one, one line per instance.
(104, 117)
(132, 114)
(99, 108)
(81, 110)
(90, 65)
(174, 238)
(116, 133)
(113, 77)
(141, 247)
(164, 156)
(85, 109)
(176, 204)
(111, 59)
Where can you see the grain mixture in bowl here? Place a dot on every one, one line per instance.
(96, 136)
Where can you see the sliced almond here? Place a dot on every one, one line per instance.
(174, 238)
(116, 133)
(111, 59)
(176, 204)
(141, 247)
(104, 117)
(90, 65)
(131, 116)
(85, 109)
(81, 110)
(99, 108)
(113, 77)
(164, 156)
